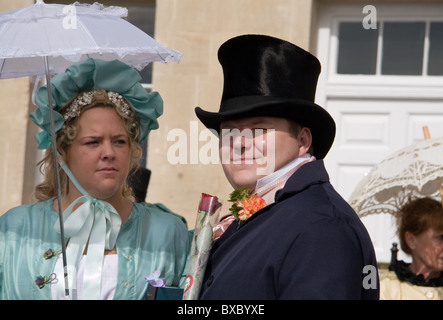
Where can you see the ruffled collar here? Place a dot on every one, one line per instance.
(403, 273)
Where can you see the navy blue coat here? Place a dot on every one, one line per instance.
(309, 244)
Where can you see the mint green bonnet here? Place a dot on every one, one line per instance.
(91, 74)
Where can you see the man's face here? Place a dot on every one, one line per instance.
(251, 148)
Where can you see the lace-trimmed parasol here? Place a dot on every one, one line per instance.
(69, 33)
(411, 172)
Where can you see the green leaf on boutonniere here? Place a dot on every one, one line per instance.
(244, 205)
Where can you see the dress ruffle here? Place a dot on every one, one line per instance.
(403, 273)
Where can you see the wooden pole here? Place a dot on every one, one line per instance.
(426, 133)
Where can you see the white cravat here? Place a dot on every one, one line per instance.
(268, 186)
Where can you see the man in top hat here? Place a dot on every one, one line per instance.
(307, 242)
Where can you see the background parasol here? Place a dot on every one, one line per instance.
(411, 172)
(44, 39)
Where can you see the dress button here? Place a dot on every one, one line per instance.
(209, 281)
(128, 256)
(126, 284)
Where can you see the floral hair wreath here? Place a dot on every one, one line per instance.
(86, 75)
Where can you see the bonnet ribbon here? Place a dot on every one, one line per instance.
(95, 223)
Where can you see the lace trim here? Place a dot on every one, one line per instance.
(408, 174)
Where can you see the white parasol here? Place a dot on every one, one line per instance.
(65, 34)
(44, 39)
(411, 172)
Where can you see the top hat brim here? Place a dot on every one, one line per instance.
(306, 113)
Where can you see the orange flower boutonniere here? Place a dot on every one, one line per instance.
(244, 205)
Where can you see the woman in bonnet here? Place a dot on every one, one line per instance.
(101, 113)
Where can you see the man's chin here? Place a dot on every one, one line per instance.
(250, 182)
(240, 176)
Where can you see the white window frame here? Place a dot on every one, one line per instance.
(377, 85)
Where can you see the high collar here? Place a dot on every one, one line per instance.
(268, 186)
(276, 174)
(310, 173)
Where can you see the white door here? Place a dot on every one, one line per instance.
(382, 81)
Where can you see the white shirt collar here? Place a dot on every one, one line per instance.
(276, 174)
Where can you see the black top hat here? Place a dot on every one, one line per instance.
(266, 76)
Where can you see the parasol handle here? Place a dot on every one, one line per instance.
(441, 189)
(57, 176)
(426, 133)
(428, 137)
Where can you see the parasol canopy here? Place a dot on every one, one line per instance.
(70, 33)
(409, 173)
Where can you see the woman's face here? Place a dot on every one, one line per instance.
(99, 156)
(427, 249)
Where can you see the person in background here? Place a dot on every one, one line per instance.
(420, 230)
(101, 113)
(138, 180)
(307, 242)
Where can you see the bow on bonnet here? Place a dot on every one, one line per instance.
(96, 74)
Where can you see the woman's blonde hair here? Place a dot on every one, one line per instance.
(65, 136)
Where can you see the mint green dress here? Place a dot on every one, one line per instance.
(151, 239)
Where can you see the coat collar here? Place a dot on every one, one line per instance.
(309, 174)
